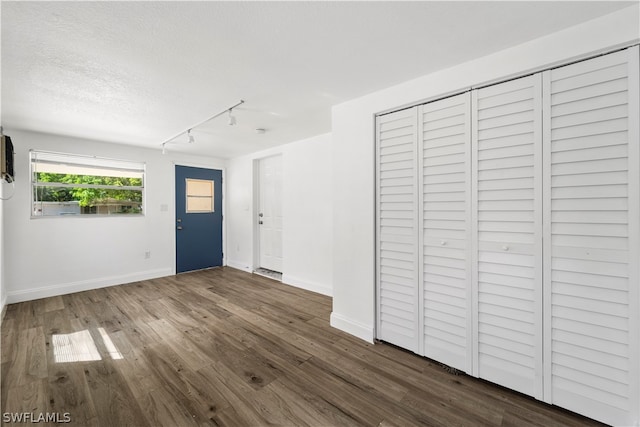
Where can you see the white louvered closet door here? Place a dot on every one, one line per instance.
(445, 128)
(397, 222)
(591, 217)
(507, 253)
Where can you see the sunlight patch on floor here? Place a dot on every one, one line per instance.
(80, 347)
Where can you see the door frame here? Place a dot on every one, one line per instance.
(174, 250)
(256, 208)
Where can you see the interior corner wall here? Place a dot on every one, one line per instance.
(50, 256)
(354, 147)
(307, 206)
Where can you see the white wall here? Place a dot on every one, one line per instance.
(307, 212)
(58, 255)
(3, 292)
(354, 144)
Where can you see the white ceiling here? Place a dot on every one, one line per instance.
(140, 72)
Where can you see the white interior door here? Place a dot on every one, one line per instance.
(445, 129)
(591, 255)
(507, 204)
(270, 212)
(397, 223)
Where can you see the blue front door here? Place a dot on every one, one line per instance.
(198, 218)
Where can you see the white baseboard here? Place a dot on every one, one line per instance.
(239, 266)
(3, 308)
(83, 285)
(350, 326)
(309, 286)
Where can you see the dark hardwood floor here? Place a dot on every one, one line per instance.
(223, 347)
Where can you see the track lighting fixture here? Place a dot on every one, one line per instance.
(190, 138)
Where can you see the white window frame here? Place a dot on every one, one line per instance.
(87, 161)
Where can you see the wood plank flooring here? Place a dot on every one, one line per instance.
(225, 348)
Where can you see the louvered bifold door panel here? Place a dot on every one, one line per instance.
(446, 143)
(591, 256)
(397, 229)
(507, 228)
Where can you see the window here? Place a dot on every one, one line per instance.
(72, 185)
(199, 196)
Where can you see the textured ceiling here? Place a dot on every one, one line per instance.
(140, 72)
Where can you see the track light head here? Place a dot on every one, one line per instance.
(191, 138)
(232, 119)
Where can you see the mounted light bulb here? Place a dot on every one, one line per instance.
(232, 119)
(191, 138)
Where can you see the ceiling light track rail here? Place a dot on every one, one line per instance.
(188, 130)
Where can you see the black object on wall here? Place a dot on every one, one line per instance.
(6, 160)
